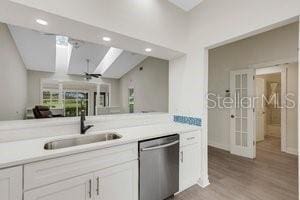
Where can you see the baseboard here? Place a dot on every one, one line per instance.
(203, 183)
(219, 146)
(292, 151)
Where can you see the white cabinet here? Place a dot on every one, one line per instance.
(58, 169)
(116, 183)
(11, 184)
(113, 183)
(190, 160)
(79, 188)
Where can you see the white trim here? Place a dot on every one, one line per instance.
(274, 63)
(269, 70)
(283, 122)
(219, 146)
(292, 151)
(203, 182)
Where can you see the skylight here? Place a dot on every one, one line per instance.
(62, 40)
(63, 54)
(108, 60)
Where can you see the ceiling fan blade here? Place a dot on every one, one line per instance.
(95, 75)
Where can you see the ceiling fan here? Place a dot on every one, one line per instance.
(87, 75)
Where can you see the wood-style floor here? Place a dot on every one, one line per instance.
(271, 176)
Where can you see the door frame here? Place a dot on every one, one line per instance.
(205, 61)
(256, 109)
(282, 69)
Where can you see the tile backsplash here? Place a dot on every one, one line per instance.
(188, 120)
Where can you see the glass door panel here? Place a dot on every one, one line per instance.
(241, 115)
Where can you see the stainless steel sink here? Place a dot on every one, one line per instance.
(87, 139)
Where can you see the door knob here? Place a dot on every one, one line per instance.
(232, 116)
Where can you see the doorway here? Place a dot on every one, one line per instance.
(103, 101)
(268, 111)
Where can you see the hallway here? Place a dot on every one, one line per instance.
(271, 176)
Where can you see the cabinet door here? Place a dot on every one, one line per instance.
(189, 166)
(11, 184)
(79, 188)
(117, 183)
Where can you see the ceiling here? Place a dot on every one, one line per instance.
(78, 61)
(39, 53)
(124, 64)
(186, 5)
(79, 30)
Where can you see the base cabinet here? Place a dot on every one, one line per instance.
(117, 183)
(79, 188)
(11, 184)
(189, 167)
(190, 160)
(113, 183)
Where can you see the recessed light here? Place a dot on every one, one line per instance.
(42, 22)
(148, 50)
(106, 39)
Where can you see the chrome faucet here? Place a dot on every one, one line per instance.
(83, 128)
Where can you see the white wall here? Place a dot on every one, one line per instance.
(13, 78)
(278, 44)
(150, 86)
(34, 85)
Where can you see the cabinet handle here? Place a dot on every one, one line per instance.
(90, 188)
(98, 186)
(181, 156)
(190, 138)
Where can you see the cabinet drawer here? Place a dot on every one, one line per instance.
(189, 138)
(53, 170)
(78, 188)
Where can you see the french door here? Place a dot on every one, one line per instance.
(242, 140)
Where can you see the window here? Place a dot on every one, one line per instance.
(75, 102)
(51, 98)
(131, 100)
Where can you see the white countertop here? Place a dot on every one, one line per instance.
(27, 151)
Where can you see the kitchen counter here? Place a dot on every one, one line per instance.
(27, 151)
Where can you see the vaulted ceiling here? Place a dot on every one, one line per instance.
(39, 52)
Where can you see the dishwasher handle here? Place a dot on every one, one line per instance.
(160, 146)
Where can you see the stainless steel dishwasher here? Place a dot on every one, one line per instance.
(159, 168)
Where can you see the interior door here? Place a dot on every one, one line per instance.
(242, 140)
(260, 109)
